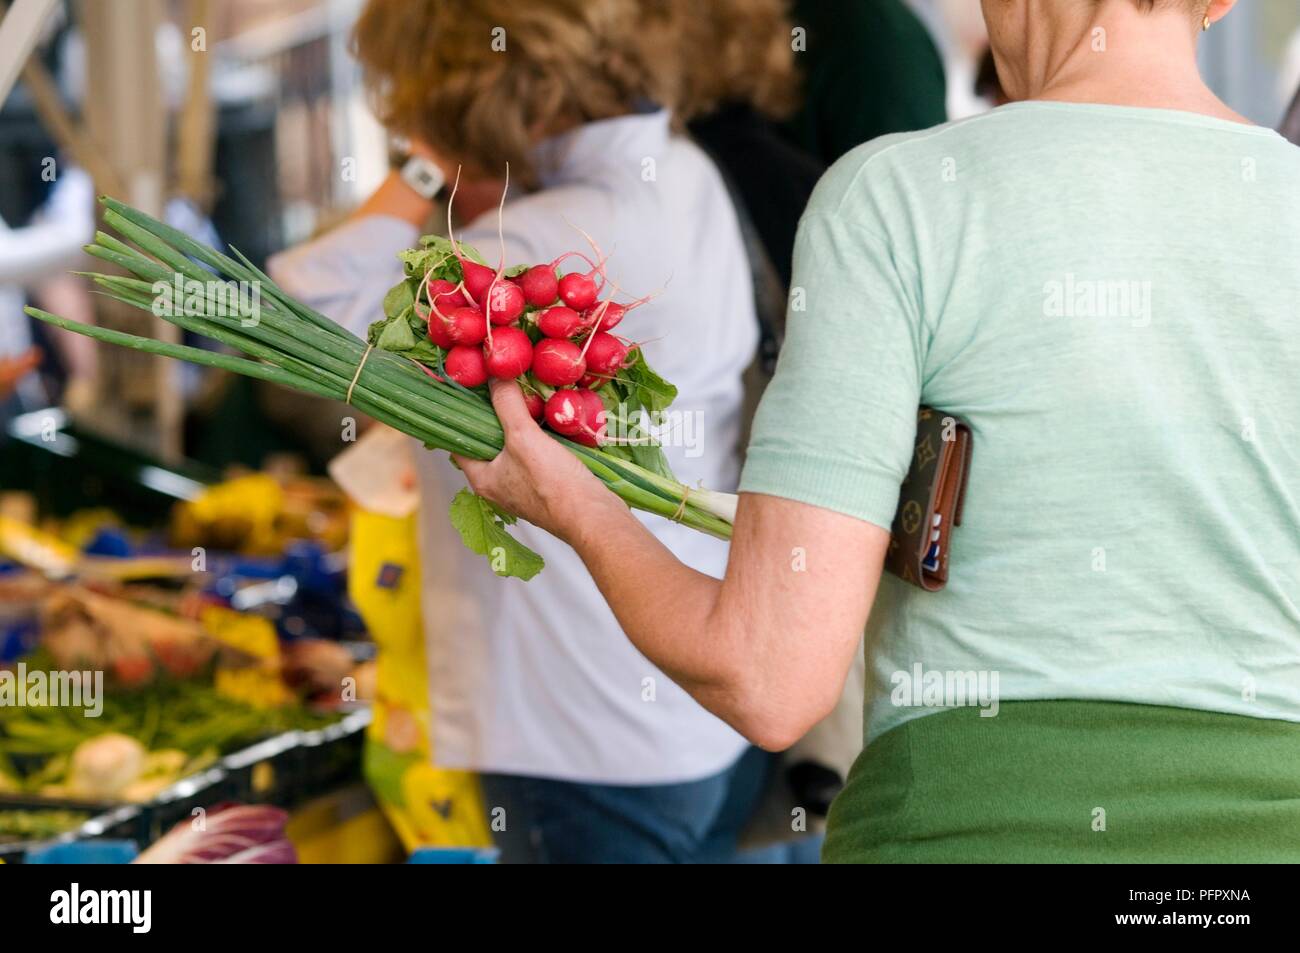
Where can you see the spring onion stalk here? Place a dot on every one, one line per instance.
(289, 344)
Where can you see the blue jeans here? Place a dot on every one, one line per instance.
(565, 822)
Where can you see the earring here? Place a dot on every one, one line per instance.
(1205, 24)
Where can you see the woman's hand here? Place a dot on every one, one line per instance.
(535, 477)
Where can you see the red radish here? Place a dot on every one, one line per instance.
(504, 302)
(606, 354)
(540, 285)
(562, 412)
(477, 278)
(559, 322)
(593, 381)
(608, 313)
(465, 365)
(466, 326)
(509, 353)
(438, 331)
(578, 414)
(578, 291)
(593, 424)
(443, 294)
(558, 363)
(536, 406)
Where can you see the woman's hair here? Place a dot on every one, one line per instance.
(731, 51)
(479, 79)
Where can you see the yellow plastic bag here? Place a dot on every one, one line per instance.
(427, 806)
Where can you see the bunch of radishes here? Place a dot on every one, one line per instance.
(550, 332)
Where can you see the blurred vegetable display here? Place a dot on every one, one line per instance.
(35, 825)
(82, 629)
(142, 742)
(258, 514)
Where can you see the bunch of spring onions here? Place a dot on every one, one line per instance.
(287, 343)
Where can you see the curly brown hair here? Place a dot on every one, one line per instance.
(481, 80)
(730, 51)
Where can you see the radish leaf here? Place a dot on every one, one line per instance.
(400, 297)
(483, 530)
(648, 388)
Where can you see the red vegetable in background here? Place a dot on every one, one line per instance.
(225, 834)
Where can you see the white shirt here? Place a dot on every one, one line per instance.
(536, 678)
(35, 252)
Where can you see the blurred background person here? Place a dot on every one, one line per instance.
(593, 753)
(15, 368)
(870, 68)
(775, 91)
(738, 81)
(33, 256)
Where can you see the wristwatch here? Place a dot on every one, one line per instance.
(420, 173)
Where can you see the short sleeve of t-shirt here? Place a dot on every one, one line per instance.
(836, 424)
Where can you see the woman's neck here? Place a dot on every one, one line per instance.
(1115, 55)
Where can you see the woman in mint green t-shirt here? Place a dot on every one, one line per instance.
(1101, 278)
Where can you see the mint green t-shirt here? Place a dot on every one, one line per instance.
(1111, 297)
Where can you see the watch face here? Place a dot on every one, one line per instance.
(426, 179)
(423, 176)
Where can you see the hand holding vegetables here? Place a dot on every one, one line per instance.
(533, 477)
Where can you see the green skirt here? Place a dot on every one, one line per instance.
(1073, 782)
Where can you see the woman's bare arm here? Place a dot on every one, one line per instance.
(767, 648)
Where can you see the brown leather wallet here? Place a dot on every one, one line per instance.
(930, 500)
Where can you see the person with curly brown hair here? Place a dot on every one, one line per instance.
(592, 752)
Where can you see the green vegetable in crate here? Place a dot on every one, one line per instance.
(24, 825)
(181, 727)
